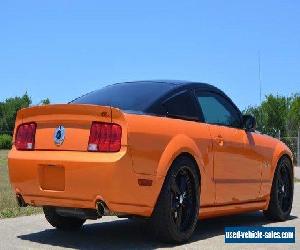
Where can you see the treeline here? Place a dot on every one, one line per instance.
(278, 116)
(8, 112)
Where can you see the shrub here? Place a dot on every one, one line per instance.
(5, 141)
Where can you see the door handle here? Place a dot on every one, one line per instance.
(220, 140)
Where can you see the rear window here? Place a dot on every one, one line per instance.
(134, 96)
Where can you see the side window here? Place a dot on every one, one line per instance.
(217, 110)
(182, 106)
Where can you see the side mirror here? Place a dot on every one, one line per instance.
(249, 123)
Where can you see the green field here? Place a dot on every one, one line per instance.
(8, 204)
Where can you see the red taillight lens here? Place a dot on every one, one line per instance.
(105, 137)
(25, 136)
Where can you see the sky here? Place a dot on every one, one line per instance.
(63, 49)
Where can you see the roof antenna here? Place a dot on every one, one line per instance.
(260, 90)
(259, 77)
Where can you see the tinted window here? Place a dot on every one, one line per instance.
(135, 96)
(181, 106)
(217, 110)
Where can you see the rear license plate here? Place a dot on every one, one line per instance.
(52, 177)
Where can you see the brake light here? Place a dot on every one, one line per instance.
(105, 137)
(25, 136)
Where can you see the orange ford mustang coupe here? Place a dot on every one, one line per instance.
(171, 151)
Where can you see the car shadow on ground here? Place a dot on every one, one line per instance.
(132, 234)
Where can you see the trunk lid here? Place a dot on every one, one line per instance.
(74, 119)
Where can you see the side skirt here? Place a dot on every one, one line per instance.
(221, 210)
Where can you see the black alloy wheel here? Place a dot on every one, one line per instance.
(284, 189)
(176, 213)
(281, 197)
(183, 200)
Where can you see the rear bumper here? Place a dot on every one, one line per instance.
(80, 179)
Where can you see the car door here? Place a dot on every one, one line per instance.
(237, 174)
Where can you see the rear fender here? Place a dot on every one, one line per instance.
(179, 144)
(183, 144)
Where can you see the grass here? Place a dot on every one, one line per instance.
(8, 205)
(296, 180)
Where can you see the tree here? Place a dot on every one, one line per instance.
(277, 113)
(45, 101)
(8, 112)
(294, 115)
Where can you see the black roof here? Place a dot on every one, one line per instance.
(181, 85)
(178, 84)
(173, 82)
(141, 96)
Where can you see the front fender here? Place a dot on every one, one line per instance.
(280, 150)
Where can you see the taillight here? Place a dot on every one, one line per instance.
(25, 136)
(105, 137)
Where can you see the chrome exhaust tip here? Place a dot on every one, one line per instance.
(20, 201)
(102, 209)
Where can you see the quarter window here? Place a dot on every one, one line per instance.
(182, 106)
(217, 110)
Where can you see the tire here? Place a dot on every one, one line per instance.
(61, 222)
(176, 213)
(281, 197)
